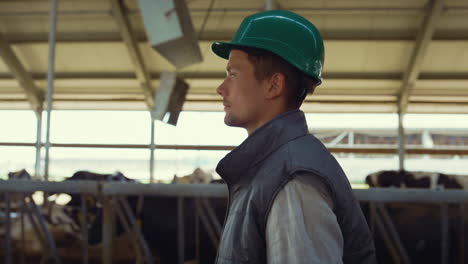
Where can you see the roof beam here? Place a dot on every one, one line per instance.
(131, 43)
(432, 76)
(140, 36)
(423, 40)
(93, 8)
(383, 76)
(191, 105)
(33, 94)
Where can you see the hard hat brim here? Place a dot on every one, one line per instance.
(222, 49)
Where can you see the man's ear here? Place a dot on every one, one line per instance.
(276, 86)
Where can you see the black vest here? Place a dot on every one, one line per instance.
(260, 167)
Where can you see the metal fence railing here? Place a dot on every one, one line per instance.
(112, 193)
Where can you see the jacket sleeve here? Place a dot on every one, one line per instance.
(301, 226)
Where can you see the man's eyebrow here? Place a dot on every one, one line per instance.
(228, 68)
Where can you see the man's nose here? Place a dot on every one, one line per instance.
(220, 90)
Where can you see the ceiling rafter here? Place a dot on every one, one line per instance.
(209, 36)
(93, 8)
(142, 73)
(423, 40)
(33, 94)
(371, 76)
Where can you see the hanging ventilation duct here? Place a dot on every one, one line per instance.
(169, 98)
(170, 31)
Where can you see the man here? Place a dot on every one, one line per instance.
(289, 200)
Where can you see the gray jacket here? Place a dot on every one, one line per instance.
(260, 167)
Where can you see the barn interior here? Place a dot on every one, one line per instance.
(111, 126)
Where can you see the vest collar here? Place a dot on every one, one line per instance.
(261, 143)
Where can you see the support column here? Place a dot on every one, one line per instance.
(8, 249)
(461, 234)
(107, 230)
(84, 229)
(50, 82)
(37, 172)
(271, 5)
(351, 142)
(180, 230)
(445, 244)
(401, 142)
(152, 149)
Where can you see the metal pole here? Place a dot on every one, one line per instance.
(271, 5)
(393, 233)
(351, 138)
(211, 214)
(23, 238)
(197, 235)
(372, 216)
(37, 172)
(180, 230)
(152, 148)
(84, 228)
(445, 234)
(220, 190)
(401, 142)
(8, 259)
(42, 224)
(50, 82)
(462, 233)
(137, 232)
(206, 223)
(126, 225)
(350, 142)
(386, 238)
(107, 230)
(35, 226)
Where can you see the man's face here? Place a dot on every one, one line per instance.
(242, 93)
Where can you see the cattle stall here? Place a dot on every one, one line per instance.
(179, 197)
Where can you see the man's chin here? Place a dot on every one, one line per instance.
(230, 121)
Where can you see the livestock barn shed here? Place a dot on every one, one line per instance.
(111, 126)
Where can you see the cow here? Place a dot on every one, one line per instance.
(92, 203)
(418, 179)
(60, 226)
(157, 219)
(57, 222)
(197, 176)
(418, 224)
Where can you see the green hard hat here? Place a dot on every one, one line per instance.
(283, 33)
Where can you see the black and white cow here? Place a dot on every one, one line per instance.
(157, 218)
(55, 218)
(417, 179)
(419, 224)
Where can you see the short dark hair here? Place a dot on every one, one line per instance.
(266, 63)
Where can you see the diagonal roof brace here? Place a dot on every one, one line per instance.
(33, 94)
(131, 43)
(423, 39)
